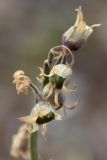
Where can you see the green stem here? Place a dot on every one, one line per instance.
(33, 146)
(33, 138)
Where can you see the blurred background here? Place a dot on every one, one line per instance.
(28, 30)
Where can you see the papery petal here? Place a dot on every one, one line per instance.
(29, 119)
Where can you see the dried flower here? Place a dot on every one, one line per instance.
(45, 70)
(22, 82)
(57, 98)
(76, 36)
(20, 144)
(60, 55)
(57, 55)
(59, 77)
(41, 76)
(48, 90)
(41, 114)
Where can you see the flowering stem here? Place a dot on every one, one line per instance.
(33, 138)
(33, 146)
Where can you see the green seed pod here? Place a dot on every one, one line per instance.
(45, 111)
(47, 118)
(59, 74)
(57, 81)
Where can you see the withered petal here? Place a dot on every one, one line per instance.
(28, 119)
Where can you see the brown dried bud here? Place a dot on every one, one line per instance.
(76, 36)
(22, 82)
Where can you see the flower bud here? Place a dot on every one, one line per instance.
(76, 36)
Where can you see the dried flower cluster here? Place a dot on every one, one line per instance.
(22, 82)
(54, 77)
(20, 144)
